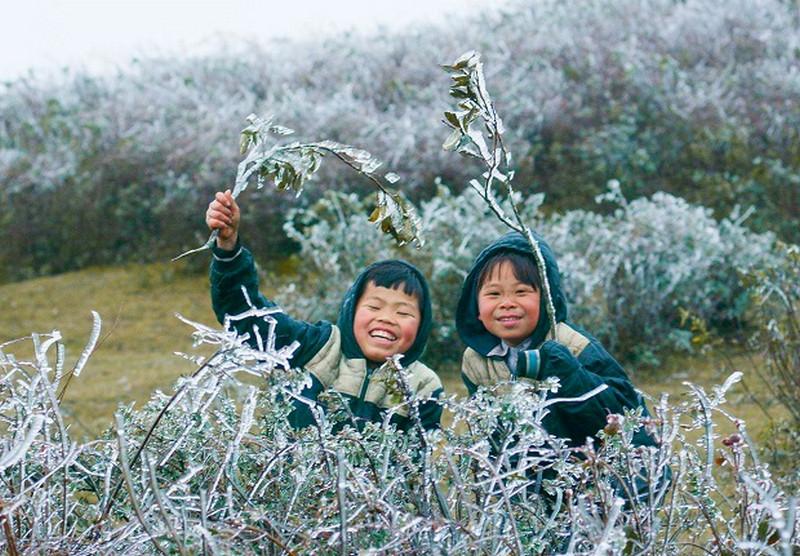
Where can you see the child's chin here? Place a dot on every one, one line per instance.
(512, 339)
(379, 358)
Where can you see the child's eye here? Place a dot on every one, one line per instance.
(402, 314)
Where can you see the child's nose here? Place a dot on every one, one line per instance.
(506, 301)
(385, 316)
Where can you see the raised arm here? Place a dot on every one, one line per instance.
(235, 284)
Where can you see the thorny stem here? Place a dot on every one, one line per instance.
(162, 504)
(8, 531)
(126, 475)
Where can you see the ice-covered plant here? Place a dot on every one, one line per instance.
(290, 165)
(474, 104)
(695, 98)
(626, 274)
(223, 472)
(777, 290)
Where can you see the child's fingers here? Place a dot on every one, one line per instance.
(220, 215)
(231, 203)
(224, 198)
(223, 213)
(215, 224)
(220, 207)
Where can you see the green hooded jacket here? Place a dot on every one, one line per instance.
(330, 352)
(576, 358)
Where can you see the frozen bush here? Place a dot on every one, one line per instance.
(631, 272)
(216, 468)
(776, 341)
(697, 98)
(626, 274)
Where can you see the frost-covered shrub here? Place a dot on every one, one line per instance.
(776, 289)
(629, 273)
(216, 468)
(626, 274)
(697, 98)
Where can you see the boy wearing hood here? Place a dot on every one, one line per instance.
(386, 311)
(502, 317)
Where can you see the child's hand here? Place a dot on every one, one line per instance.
(223, 215)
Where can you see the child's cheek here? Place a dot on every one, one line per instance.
(409, 335)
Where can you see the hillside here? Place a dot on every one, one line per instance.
(140, 335)
(699, 99)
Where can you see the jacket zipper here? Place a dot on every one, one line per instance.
(367, 374)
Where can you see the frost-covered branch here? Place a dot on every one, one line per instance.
(290, 166)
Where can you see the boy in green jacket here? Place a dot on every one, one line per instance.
(502, 318)
(386, 311)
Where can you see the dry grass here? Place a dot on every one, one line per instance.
(138, 303)
(140, 332)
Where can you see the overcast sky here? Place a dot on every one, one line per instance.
(45, 35)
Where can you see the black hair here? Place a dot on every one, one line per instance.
(395, 275)
(523, 265)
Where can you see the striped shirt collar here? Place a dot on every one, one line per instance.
(510, 353)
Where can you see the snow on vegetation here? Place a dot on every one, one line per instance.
(215, 468)
(696, 98)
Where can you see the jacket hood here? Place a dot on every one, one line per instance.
(347, 312)
(471, 330)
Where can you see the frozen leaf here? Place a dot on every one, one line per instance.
(452, 119)
(280, 130)
(452, 142)
(465, 61)
(394, 215)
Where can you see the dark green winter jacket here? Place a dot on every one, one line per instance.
(329, 352)
(576, 358)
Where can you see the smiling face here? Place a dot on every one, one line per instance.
(507, 307)
(386, 322)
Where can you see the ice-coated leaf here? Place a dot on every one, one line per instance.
(461, 80)
(467, 60)
(452, 119)
(90, 345)
(395, 216)
(30, 428)
(391, 177)
(281, 130)
(451, 143)
(359, 159)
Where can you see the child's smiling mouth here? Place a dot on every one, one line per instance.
(382, 335)
(509, 319)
